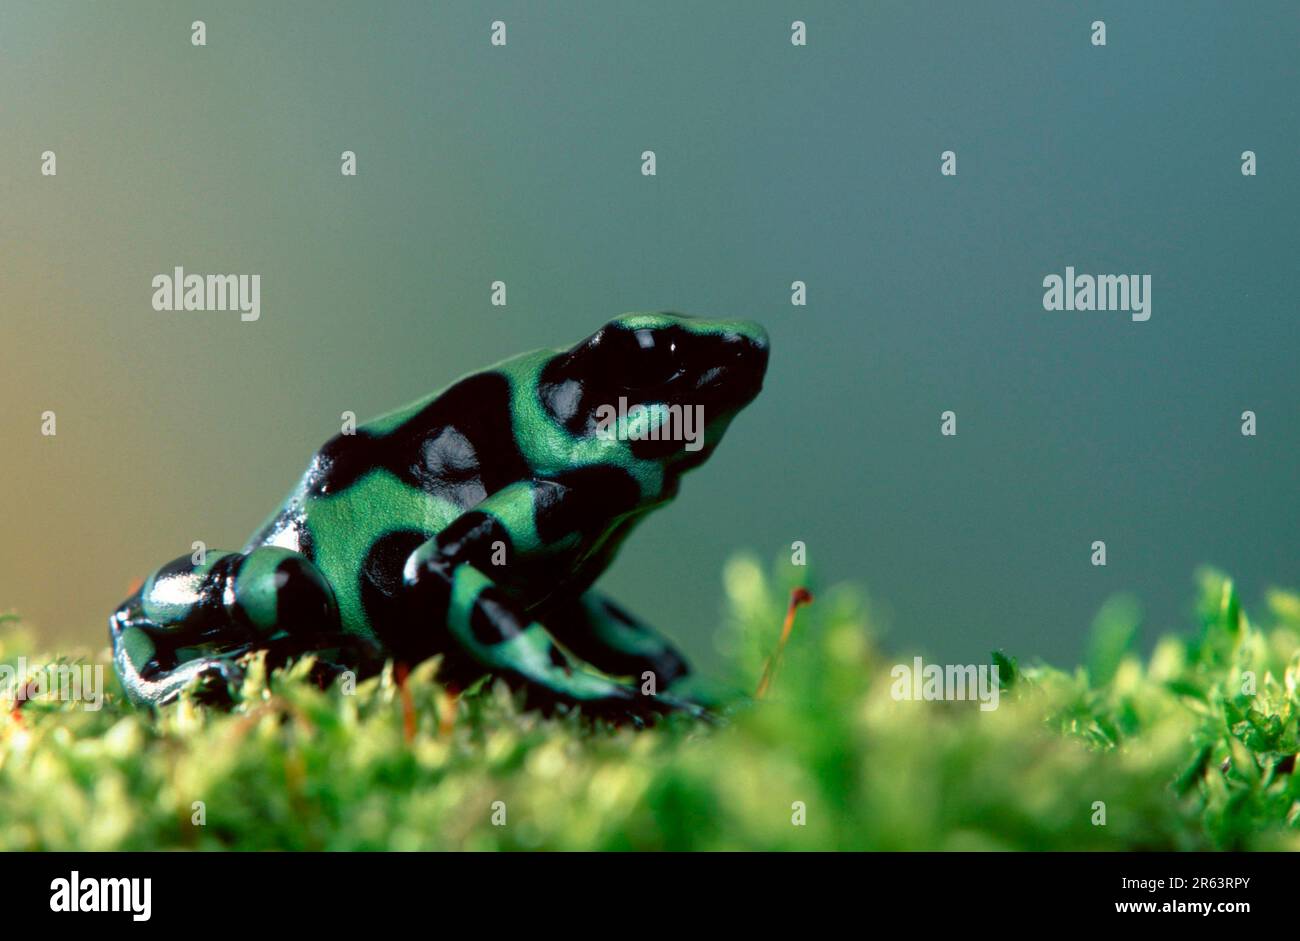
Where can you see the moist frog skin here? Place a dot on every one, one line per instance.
(471, 524)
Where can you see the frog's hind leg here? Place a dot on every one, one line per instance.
(606, 636)
(487, 627)
(192, 620)
(489, 633)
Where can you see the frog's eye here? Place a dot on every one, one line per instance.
(649, 359)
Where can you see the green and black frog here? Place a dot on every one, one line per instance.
(472, 524)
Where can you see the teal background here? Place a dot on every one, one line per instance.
(775, 163)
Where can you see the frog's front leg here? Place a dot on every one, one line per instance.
(191, 621)
(445, 583)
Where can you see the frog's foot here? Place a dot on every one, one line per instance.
(613, 641)
(620, 704)
(192, 621)
(146, 682)
(488, 632)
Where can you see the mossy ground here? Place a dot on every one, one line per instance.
(1181, 749)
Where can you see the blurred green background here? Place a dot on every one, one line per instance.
(775, 163)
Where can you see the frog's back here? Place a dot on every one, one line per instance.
(370, 497)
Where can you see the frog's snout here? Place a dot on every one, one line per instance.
(744, 359)
(753, 331)
(756, 346)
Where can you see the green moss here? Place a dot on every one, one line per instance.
(1179, 746)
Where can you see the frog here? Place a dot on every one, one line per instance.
(469, 525)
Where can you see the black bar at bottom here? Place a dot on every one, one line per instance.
(332, 890)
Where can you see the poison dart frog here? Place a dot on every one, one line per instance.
(470, 523)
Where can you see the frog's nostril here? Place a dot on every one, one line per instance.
(751, 344)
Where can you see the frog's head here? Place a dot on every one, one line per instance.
(656, 387)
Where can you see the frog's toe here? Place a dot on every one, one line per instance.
(214, 682)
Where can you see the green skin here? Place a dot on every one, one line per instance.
(469, 524)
